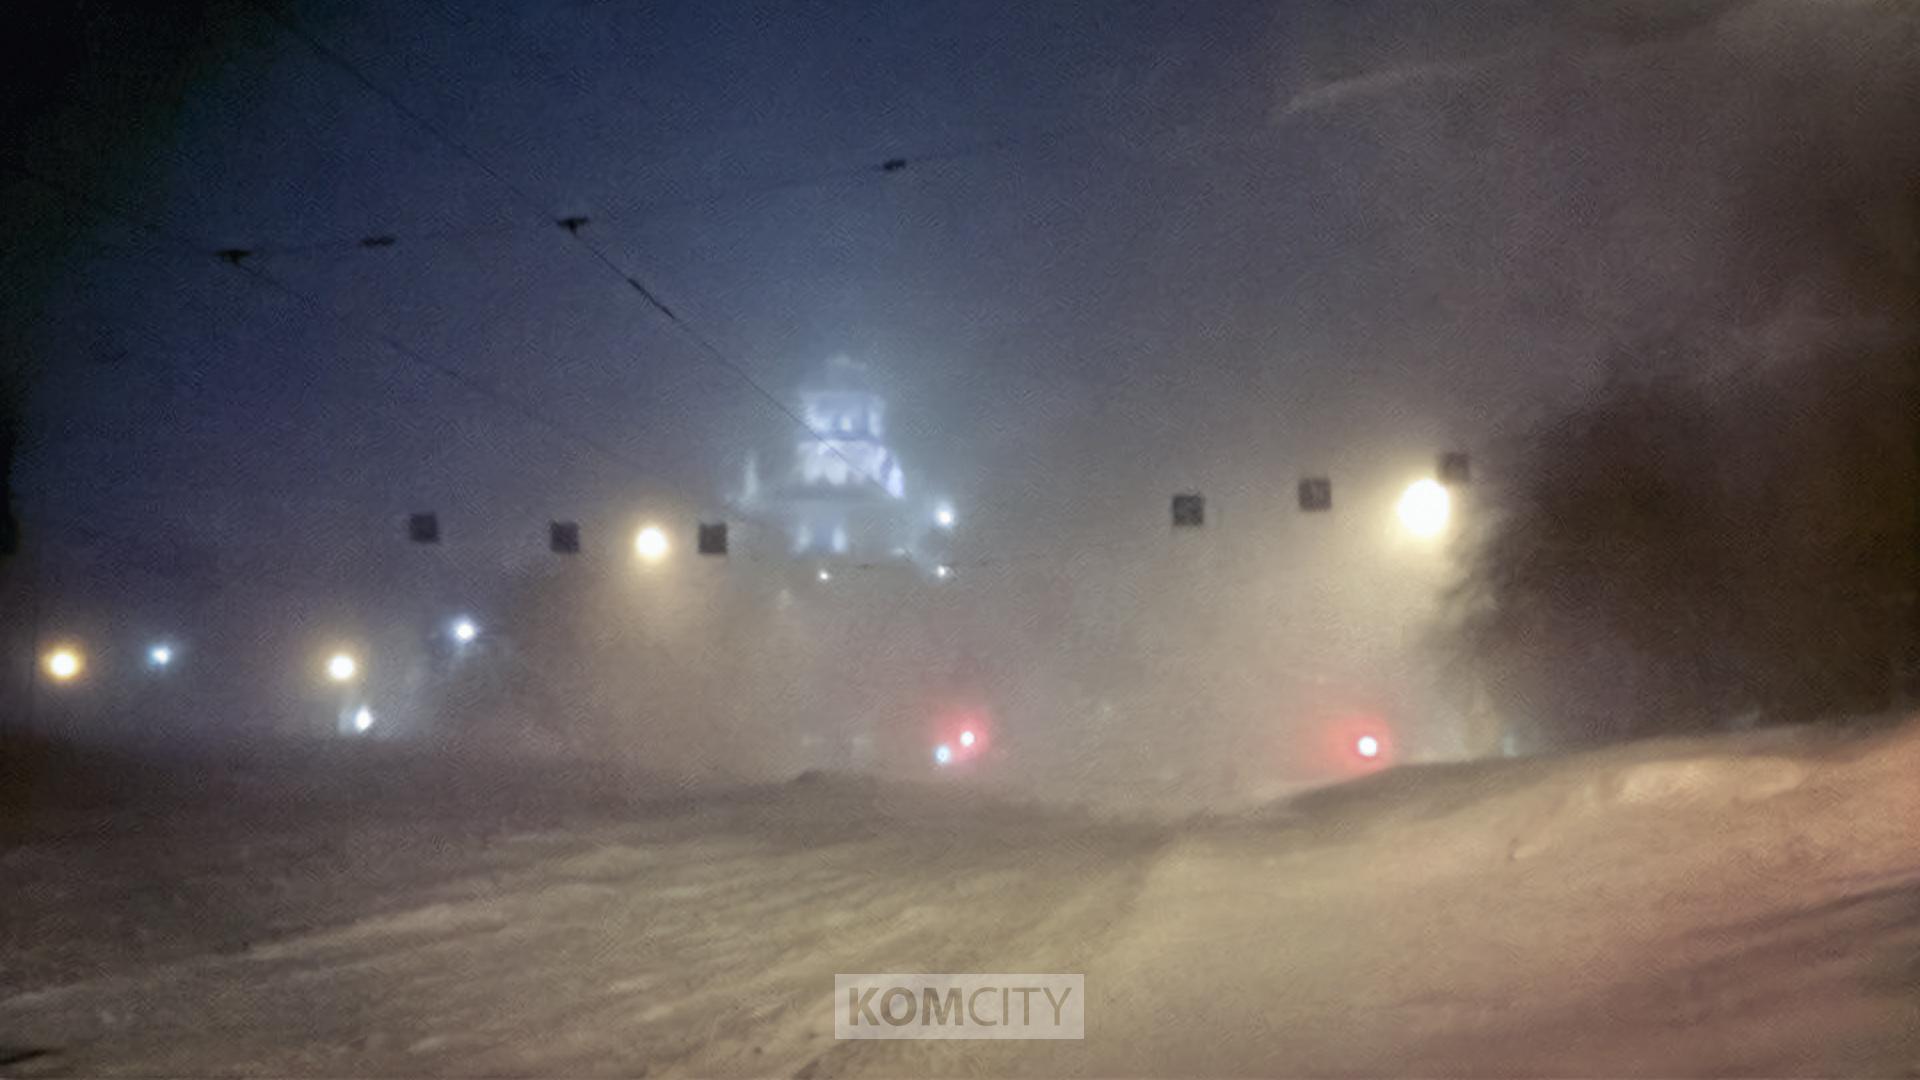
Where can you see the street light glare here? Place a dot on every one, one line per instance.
(464, 631)
(651, 544)
(944, 517)
(160, 656)
(342, 668)
(64, 664)
(1425, 508)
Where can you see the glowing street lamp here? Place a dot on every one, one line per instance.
(943, 517)
(942, 754)
(342, 667)
(1425, 508)
(465, 631)
(966, 738)
(651, 544)
(64, 664)
(160, 657)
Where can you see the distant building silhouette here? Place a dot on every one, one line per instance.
(844, 495)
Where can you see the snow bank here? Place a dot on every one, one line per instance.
(1516, 809)
(1736, 905)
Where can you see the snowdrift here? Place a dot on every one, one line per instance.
(1535, 803)
(1736, 905)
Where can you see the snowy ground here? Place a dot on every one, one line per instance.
(1746, 906)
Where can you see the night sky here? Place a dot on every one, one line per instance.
(1135, 248)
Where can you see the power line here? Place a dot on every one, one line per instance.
(381, 240)
(245, 259)
(238, 256)
(717, 355)
(572, 225)
(888, 166)
(634, 212)
(241, 259)
(472, 383)
(334, 58)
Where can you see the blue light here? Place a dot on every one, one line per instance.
(942, 754)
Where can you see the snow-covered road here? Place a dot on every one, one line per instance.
(1744, 906)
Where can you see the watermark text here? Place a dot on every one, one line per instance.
(959, 1006)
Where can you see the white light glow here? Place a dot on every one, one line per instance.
(1367, 747)
(464, 631)
(966, 738)
(826, 575)
(363, 719)
(342, 667)
(944, 517)
(64, 664)
(651, 544)
(942, 754)
(943, 571)
(160, 656)
(1425, 508)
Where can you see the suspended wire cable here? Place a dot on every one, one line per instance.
(240, 259)
(243, 260)
(718, 356)
(572, 225)
(320, 48)
(377, 240)
(644, 208)
(474, 384)
(630, 213)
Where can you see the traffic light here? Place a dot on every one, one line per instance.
(1189, 510)
(423, 528)
(563, 537)
(713, 538)
(1455, 470)
(1316, 494)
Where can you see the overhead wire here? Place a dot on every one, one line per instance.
(379, 238)
(243, 260)
(472, 383)
(572, 226)
(246, 259)
(240, 259)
